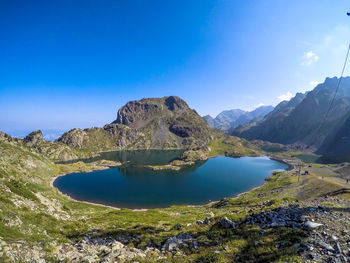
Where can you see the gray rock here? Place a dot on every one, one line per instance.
(207, 221)
(325, 245)
(337, 248)
(226, 223)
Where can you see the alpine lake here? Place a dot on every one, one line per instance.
(135, 186)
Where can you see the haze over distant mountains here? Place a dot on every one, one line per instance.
(230, 119)
(302, 121)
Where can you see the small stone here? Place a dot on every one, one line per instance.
(325, 245)
(226, 223)
(256, 242)
(335, 238)
(207, 221)
(312, 225)
(311, 255)
(337, 248)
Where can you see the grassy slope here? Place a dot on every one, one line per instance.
(35, 213)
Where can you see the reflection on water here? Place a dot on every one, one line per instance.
(149, 157)
(134, 186)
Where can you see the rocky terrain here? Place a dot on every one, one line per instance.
(293, 217)
(55, 151)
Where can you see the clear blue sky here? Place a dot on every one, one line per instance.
(66, 64)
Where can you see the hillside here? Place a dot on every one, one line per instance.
(302, 119)
(336, 147)
(268, 128)
(38, 224)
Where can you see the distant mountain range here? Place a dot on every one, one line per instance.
(302, 121)
(227, 120)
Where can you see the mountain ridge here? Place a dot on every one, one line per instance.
(302, 121)
(227, 120)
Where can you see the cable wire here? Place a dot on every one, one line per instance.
(338, 85)
(336, 91)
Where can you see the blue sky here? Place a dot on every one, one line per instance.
(68, 64)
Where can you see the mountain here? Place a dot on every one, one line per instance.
(226, 119)
(302, 119)
(269, 127)
(336, 147)
(153, 123)
(260, 112)
(210, 120)
(229, 119)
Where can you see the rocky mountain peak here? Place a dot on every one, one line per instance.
(174, 103)
(34, 138)
(156, 123)
(74, 137)
(137, 114)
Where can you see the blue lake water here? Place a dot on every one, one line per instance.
(132, 186)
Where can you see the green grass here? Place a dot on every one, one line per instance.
(309, 158)
(272, 149)
(20, 189)
(25, 172)
(232, 146)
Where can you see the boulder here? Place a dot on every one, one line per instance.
(226, 223)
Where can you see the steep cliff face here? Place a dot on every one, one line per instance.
(156, 123)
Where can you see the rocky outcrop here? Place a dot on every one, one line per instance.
(110, 137)
(326, 229)
(168, 122)
(55, 151)
(34, 138)
(74, 137)
(156, 123)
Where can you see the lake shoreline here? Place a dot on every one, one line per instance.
(87, 202)
(146, 209)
